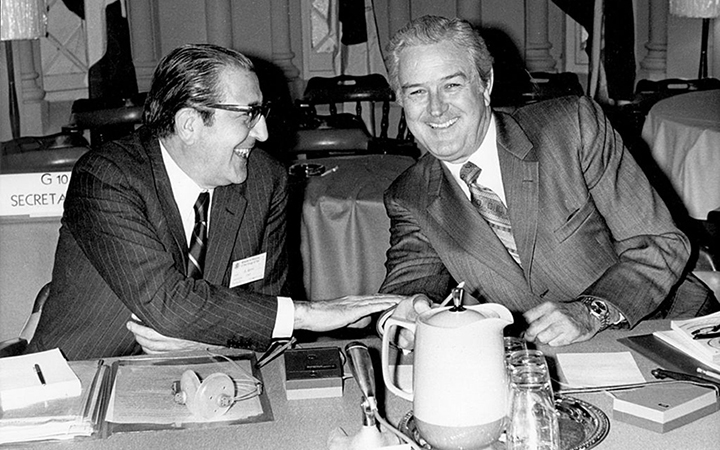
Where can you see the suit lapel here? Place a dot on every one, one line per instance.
(519, 168)
(165, 195)
(454, 213)
(226, 215)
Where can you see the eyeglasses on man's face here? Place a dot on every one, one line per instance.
(252, 112)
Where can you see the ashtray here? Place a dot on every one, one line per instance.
(582, 425)
(306, 170)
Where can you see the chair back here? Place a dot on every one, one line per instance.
(649, 92)
(17, 346)
(51, 153)
(358, 131)
(538, 87)
(106, 118)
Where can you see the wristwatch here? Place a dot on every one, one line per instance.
(599, 310)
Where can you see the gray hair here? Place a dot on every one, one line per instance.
(428, 30)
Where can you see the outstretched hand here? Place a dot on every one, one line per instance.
(351, 310)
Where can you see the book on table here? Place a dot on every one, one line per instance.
(702, 334)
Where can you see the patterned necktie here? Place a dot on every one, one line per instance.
(198, 241)
(490, 207)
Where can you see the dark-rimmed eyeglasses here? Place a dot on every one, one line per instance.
(253, 112)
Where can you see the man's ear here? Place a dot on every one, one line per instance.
(489, 86)
(187, 124)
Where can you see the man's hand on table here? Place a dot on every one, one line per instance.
(559, 324)
(153, 342)
(351, 311)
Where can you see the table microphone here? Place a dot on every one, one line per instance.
(362, 370)
(369, 437)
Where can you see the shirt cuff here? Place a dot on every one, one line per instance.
(285, 318)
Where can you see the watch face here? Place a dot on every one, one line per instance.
(598, 307)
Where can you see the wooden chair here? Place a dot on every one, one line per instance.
(649, 92)
(547, 85)
(357, 132)
(17, 346)
(51, 153)
(106, 118)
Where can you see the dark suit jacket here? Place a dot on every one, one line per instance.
(585, 219)
(122, 250)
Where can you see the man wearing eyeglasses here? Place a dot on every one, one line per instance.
(173, 238)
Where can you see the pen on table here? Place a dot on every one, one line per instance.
(702, 332)
(708, 373)
(709, 335)
(329, 171)
(39, 373)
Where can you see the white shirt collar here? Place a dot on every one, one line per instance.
(185, 192)
(485, 157)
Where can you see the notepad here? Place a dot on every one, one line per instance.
(34, 378)
(664, 407)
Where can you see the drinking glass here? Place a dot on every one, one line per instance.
(533, 422)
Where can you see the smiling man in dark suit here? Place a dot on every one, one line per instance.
(572, 235)
(126, 247)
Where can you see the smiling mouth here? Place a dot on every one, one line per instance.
(443, 125)
(242, 152)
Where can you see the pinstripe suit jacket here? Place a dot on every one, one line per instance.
(584, 216)
(122, 250)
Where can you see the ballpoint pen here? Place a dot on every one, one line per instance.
(275, 350)
(708, 335)
(703, 333)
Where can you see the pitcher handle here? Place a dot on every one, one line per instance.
(388, 377)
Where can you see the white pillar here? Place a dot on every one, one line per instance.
(282, 54)
(654, 65)
(537, 42)
(144, 40)
(218, 20)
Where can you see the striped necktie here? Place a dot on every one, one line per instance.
(490, 207)
(198, 241)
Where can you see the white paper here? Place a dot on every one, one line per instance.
(599, 369)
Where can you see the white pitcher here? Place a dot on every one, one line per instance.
(459, 391)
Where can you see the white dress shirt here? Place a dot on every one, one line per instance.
(185, 192)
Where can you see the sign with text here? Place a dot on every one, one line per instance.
(40, 194)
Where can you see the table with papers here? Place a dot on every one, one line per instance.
(306, 424)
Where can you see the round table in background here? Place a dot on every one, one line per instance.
(683, 133)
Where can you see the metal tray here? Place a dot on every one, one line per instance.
(582, 425)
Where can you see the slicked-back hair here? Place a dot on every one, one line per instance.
(189, 76)
(429, 30)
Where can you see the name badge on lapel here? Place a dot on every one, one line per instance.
(248, 270)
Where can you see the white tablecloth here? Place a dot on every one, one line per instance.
(345, 231)
(683, 133)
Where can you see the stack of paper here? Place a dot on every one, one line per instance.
(35, 378)
(664, 407)
(60, 418)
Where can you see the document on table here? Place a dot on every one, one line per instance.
(142, 396)
(599, 369)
